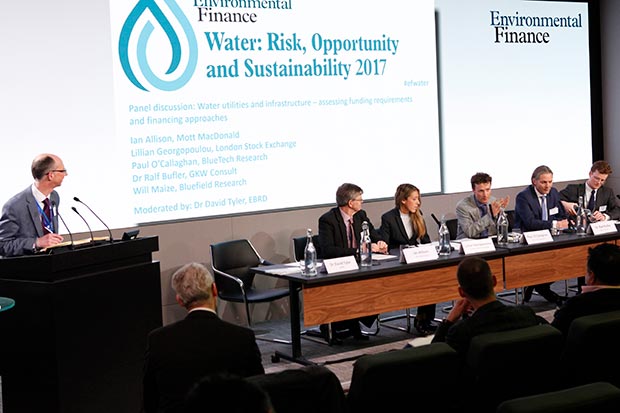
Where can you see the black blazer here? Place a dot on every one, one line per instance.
(528, 213)
(393, 231)
(333, 233)
(593, 302)
(604, 196)
(180, 354)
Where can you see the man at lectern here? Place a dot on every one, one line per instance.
(29, 221)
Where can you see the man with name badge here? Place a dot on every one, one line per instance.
(536, 207)
(29, 222)
(476, 214)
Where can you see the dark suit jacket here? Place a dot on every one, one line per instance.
(594, 302)
(180, 354)
(20, 224)
(393, 231)
(333, 233)
(528, 213)
(604, 196)
(490, 318)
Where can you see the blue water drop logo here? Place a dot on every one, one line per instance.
(144, 6)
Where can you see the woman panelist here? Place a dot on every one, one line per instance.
(404, 225)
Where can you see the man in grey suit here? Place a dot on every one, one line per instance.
(29, 222)
(476, 214)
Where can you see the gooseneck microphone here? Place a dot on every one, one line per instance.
(55, 209)
(80, 215)
(76, 199)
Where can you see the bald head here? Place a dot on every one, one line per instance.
(48, 171)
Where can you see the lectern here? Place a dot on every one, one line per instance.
(75, 341)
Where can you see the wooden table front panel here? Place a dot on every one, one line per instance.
(362, 297)
(546, 266)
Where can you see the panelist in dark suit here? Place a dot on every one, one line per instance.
(28, 221)
(600, 199)
(180, 354)
(536, 207)
(476, 214)
(339, 236)
(476, 286)
(602, 292)
(404, 225)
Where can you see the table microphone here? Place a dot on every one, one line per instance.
(76, 199)
(80, 215)
(55, 208)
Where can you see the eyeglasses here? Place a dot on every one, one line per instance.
(358, 200)
(64, 171)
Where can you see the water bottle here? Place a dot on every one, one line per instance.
(502, 228)
(309, 267)
(365, 246)
(444, 238)
(581, 219)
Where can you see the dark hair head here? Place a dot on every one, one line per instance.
(226, 393)
(475, 278)
(480, 178)
(602, 167)
(41, 165)
(347, 192)
(604, 262)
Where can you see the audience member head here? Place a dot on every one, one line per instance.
(604, 265)
(48, 171)
(542, 179)
(481, 186)
(476, 282)
(599, 172)
(224, 393)
(194, 286)
(408, 201)
(349, 196)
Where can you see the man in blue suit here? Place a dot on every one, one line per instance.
(29, 222)
(536, 207)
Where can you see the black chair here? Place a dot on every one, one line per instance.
(231, 262)
(424, 378)
(310, 389)
(452, 225)
(509, 364)
(591, 350)
(299, 246)
(595, 397)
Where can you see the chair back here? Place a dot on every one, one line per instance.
(591, 349)
(594, 397)
(510, 214)
(499, 365)
(234, 257)
(384, 382)
(452, 225)
(299, 246)
(310, 389)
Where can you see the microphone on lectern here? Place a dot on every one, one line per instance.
(76, 199)
(80, 215)
(55, 212)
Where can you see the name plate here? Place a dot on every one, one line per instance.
(341, 264)
(426, 252)
(537, 237)
(603, 227)
(476, 246)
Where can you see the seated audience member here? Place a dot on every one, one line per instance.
(476, 286)
(339, 236)
(179, 354)
(404, 225)
(536, 207)
(599, 199)
(222, 393)
(601, 293)
(476, 214)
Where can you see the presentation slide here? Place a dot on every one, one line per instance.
(515, 90)
(167, 110)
